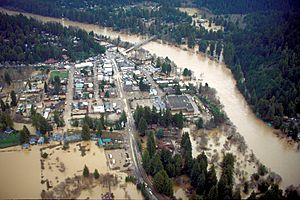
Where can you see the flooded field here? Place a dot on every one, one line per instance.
(276, 153)
(19, 126)
(201, 16)
(60, 167)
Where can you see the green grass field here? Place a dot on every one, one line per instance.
(11, 140)
(61, 74)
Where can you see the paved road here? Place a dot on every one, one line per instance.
(130, 128)
(69, 99)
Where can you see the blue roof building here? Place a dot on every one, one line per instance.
(104, 141)
(8, 130)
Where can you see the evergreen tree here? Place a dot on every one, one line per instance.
(211, 179)
(86, 171)
(156, 164)
(199, 123)
(142, 126)
(7, 78)
(85, 133)
(96, 174)
(163, 183)
(24, 135)
(45, 87)
(13, 98)
(146, 161)
(213, 193)
(151, 144)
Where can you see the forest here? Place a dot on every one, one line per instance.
(243, 6)
(264, 59)
(26, 40)
(263, 54)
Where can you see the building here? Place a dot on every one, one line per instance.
(84, 64)
(179, 103)
(104, 141)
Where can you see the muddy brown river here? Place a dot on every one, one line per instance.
(275, 153)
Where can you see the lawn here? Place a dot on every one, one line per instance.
(61, 74)
(10, 140)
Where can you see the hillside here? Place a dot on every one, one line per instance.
(26, 40)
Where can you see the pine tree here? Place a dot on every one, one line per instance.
(24, 135)
(85, 133)
(86, 171)
(163, 183)
(96, 174)
(13, 98)
(146, 161)
(142, 126)
(151, 144)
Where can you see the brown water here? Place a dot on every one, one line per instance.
(271, 151)
(21, 173)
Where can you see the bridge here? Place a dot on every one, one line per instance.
(139, 44)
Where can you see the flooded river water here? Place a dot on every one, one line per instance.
(275, 153)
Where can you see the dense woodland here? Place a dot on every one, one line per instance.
(26, 40)
(243, 6)
(265, 60)
(263, 54)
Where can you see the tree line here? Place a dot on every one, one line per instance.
(266, 66)
(26, 40)
(144, 116)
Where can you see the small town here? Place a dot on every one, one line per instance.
(102, 100)
(154, 100)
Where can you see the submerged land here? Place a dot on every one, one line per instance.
(93, 116)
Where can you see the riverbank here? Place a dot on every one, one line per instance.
(279, 156)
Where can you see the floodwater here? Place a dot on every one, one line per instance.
(19, 127)
(273, 152)
(21, 173)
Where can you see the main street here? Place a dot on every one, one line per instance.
(130, 128)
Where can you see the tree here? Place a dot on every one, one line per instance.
(146, 161)
(3, 106)
(123, 117)
(177, 90)
(151, 144)
(86, 171)
(252, 196)
(7, 78)
(246, 187)
(160, 133)
(45, 87)
(24, 135)
(59, 122)
(96, 174)
(40, 123)
(13, 98)
(225, 183)
(163, 183)
(213, 193)
(178, 164)
(211, 179)
(203, 46)
(85, 133)
(106, 95)
(187, 72)
(273, 193)
(156, 164)
(199, 123)
(56, 83)
(178, 120)
(142, 126)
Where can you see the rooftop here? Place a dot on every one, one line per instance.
(179, 103)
